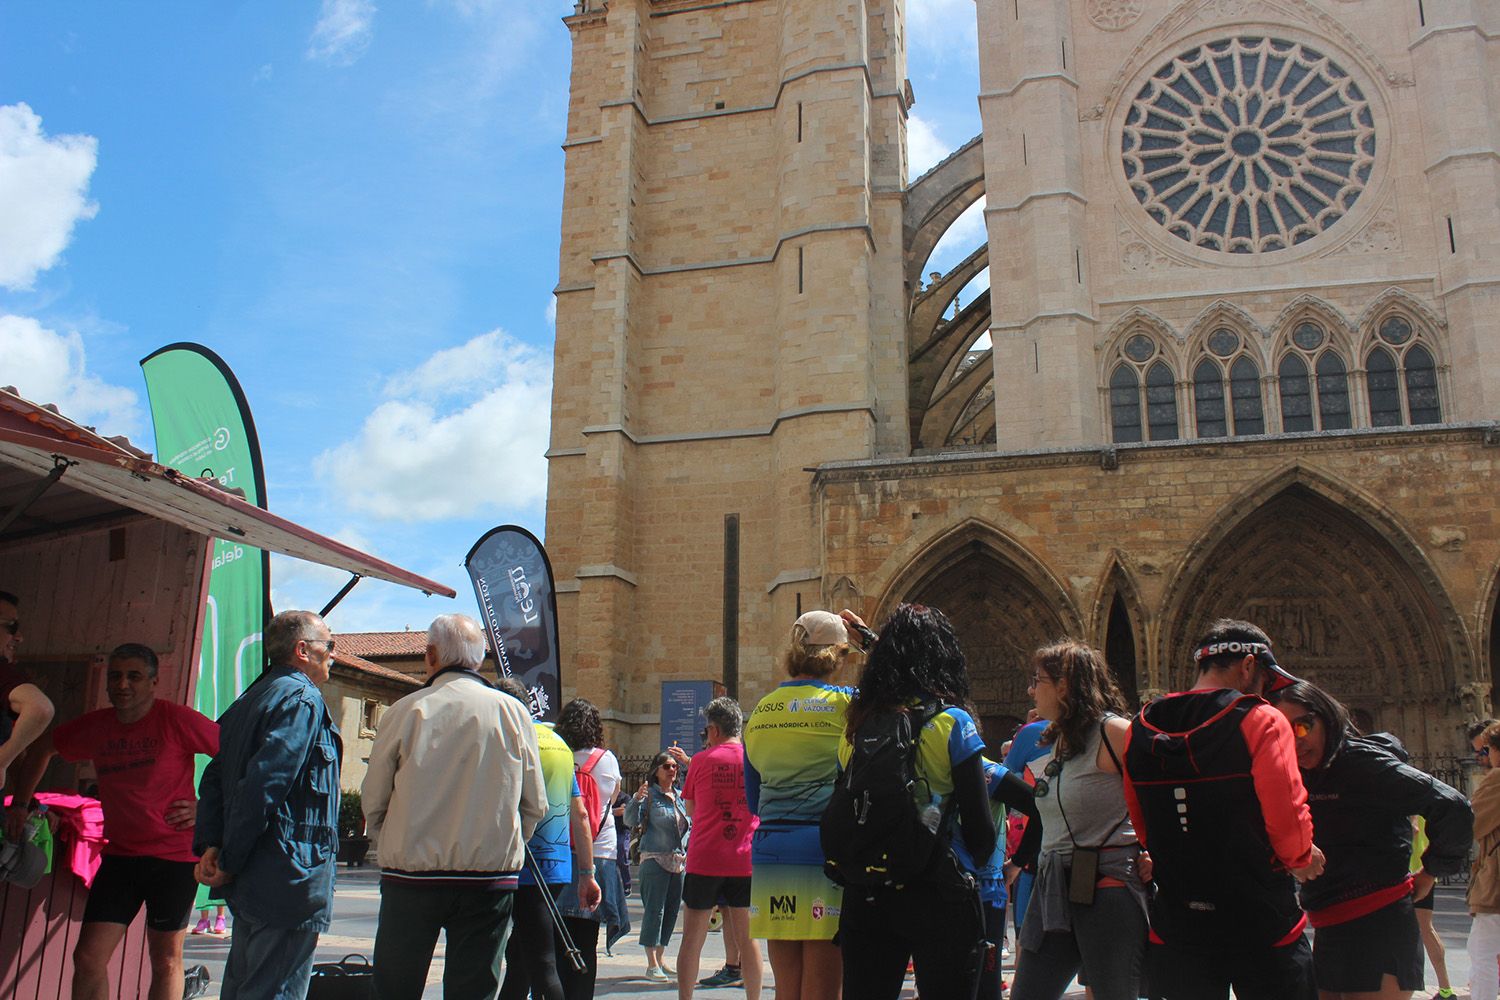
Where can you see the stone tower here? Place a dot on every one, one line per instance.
(729, 313)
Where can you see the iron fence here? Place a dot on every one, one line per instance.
(1460, 772)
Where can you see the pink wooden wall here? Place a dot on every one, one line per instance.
(83, 593)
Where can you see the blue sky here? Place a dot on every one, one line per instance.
(357, 205)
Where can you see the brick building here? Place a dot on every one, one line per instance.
(1238, 356)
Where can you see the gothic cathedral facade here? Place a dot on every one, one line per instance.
(1240, 354)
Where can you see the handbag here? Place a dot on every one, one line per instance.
(350, 978)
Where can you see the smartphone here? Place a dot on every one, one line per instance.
(1084, 876)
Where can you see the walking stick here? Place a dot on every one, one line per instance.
(574, 955)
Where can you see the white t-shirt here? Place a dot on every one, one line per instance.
(606, 775)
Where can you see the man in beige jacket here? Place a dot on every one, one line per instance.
(453, 792)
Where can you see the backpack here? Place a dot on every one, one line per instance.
(588, 789)
(873, 831)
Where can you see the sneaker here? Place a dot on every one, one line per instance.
(657, 974)
(727, 976)
(202, 927)
(220, 927)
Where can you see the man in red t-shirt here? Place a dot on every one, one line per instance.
(24, 709)
(718, 858)
(142, 750)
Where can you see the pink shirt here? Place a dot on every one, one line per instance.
(142, 768)
(722, 824)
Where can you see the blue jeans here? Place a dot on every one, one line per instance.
(661, 894)
(267, 963)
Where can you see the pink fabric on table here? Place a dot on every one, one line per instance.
(81, 828)
(722, 823)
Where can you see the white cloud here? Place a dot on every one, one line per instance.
(343, 31)
(44, 185)
(924, 149)
(943, 27)
(50, 367)
(552, 310)
(463, 432)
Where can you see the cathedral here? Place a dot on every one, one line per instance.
(1238, 356)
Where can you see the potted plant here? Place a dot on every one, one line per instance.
(353, 844)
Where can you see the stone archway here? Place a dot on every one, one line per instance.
(1342, 606)
(1001, 617)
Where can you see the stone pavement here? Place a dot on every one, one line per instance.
(357, 904)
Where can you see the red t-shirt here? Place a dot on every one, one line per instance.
(722, 824)
(142, 767)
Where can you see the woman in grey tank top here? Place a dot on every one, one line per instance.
(1088, 906)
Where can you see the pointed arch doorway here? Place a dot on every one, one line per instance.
(1001, 615)
(1343, 607)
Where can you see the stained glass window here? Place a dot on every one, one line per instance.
(1125, 405)
(1208, 400)
(1296, 394)
(1385, 389)
(1248, 144)
(1421, 386)
(1244, 393)
(1333, 393)
(1161, 403)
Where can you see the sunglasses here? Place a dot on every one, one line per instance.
(326, 642)
(1483, 753)
(13, 626)
(1043, 787)
(1303, 725)
(668, 767)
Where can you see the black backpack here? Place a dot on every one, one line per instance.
(873, 832)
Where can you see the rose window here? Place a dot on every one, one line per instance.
(1248, 145)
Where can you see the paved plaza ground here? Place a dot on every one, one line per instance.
(357, 904)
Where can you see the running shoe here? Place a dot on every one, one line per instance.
(220, 927)
(657, 974)
(727, 976)
(202, 927)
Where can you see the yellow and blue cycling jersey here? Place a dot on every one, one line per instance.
(990, 876)
(948, 739)
(791, 760)
(551, 844)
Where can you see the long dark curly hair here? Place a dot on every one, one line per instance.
(579, 725)
(1091, 693)
(916, 657)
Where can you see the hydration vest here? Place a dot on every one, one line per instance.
(1218, 880)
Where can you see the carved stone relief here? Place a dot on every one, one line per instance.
(1001, 619)
(1114, 15)
(1382, 235)
(1340, 606)
(1217, 10)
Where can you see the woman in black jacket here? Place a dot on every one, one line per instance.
(1362, 794)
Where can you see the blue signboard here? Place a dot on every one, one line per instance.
(682, 704)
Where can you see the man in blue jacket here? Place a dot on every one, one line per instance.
(268, 807)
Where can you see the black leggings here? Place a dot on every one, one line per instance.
(994, 936)
(579, 985)
(940, 931)
(530, 957)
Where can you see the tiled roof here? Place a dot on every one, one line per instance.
(383, 643)
(378, 645)
(360, 665)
